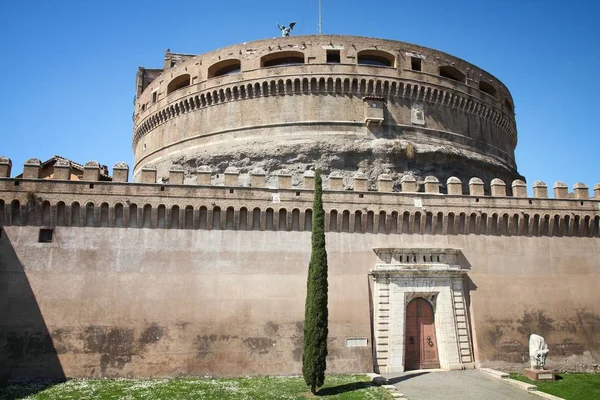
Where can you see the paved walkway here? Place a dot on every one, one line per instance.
(455, 385)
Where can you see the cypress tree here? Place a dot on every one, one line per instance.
(314, 351)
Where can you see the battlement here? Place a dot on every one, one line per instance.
(418, 208)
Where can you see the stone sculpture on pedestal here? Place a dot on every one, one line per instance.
(538, 351)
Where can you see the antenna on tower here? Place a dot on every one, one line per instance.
(320, 20)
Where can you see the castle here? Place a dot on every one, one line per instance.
(438, 258)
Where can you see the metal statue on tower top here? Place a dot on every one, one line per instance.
(286, 31)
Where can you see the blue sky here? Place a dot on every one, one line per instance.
(69, 66)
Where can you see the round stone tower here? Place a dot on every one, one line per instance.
(340, 103)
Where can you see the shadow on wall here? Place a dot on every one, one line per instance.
(26, 349)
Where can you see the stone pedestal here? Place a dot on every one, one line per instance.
(539, 374)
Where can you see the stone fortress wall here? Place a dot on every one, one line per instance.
(216, 285)
(199, 265)
(335, 102)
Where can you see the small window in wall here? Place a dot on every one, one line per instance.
(225, 67)
(487, 88)
(282, 58)
(178, 83)
(45, 235)
(450, 72)
(154, 97)
(333, 57)
(415, 63)
(376, 58)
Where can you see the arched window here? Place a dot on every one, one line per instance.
(229, 219)
(15, 212)
(282, 58)
(224, 67)
(382, 222)
(243, 219)
(451, 228)
(596, 226)
(75, 214)
(473, 224)
(119, 215)
(417, 229)
(462, 222)
(515, 225)
(394, 222)
(576, 225)
(484, 224)
(133, 217)
(203, 218)
(536, 225)
(439, 224)
(147, 216)
(188, 220)
(564, 230)
(333, 221)
(269, 222)
(216, 218)
(586, 226)
(104, 215)
(545, 228)
(377, 58)
(558, 226)
(295, 219)
(370, 221)
(282, 220)
(346, 221)
(406, 222)
(178, 83)
(256, 219)
(428, 223)
(60, 213)
(358, 222)
(308, 220)
(175, 217)
(161, 216)
(450, 72)
(487, 88)
(494, 225)
(89, 214)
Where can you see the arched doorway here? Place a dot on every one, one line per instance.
(420, 343)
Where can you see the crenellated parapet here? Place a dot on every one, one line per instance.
(246, 202)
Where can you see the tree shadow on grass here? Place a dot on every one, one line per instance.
(346, 387)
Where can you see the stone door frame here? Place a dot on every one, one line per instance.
(402, 274)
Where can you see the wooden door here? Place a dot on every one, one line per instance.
(420, 343)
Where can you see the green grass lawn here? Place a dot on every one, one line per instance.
(568, 386)
(349, 387)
